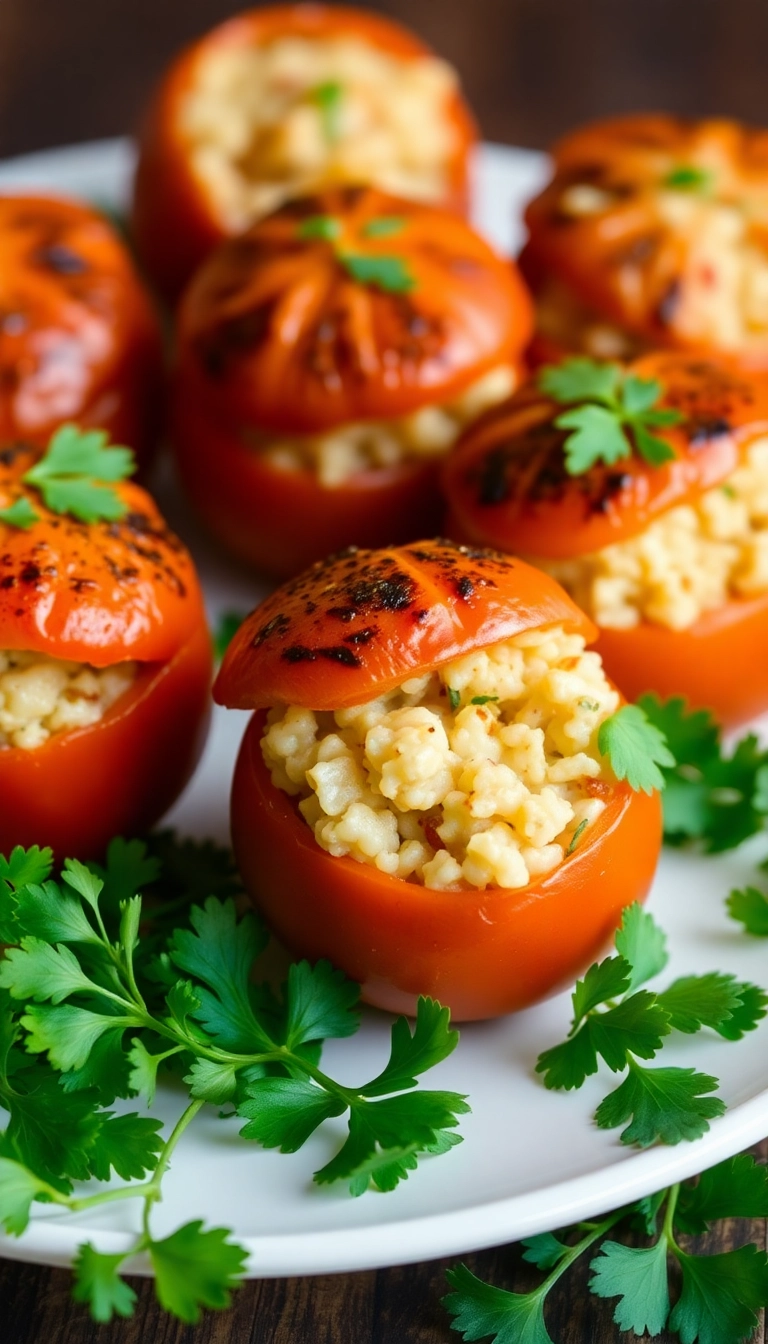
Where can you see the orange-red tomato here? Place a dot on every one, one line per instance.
(507, 486)
(277, 337)
(338, 635)
(79, 340)
(618, 226)
(101, 594)
(175, 222)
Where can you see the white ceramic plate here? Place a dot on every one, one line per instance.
(531, 1160)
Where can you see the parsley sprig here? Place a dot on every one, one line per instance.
(86, 1017)
(610, 415)
(75, 476)
(717, 1296)
(617, 1021)
(386, 271)
(636, 748)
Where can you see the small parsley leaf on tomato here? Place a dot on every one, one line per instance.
(19, 514)
(610, 414)
(383, 226)
(329, 99)
(75, 473)
(688, 177)
(635, 747)
(389, 273)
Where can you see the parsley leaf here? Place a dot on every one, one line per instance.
(638, 1277)
(324, 227)
(196, 1268)
(19, 1187)
(688, 177)
(663, 1104)
(716, 1001)
(72, 473)
(635, 748)
(388, 273)
(749, 907)
(98, 1283)
(612, 415)
(721, 1296)
(479, 1309)
(19, 514)
(642, 944)
(384, 226)
(736, 1188)
(283, 1112)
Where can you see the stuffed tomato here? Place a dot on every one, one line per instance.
(79, 340)
(281, 101)
(668, 556)
(419, 796)
(326, 360)
(105, 669)
(652, 233)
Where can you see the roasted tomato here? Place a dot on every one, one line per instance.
(670, 561)
(105, 668)
(326, 359)
(653, 232)
(78, 337)
(423, 802)
(282, 101)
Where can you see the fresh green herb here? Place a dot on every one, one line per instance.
(709, 796)
(73, 472)
(750, 908)
(728, 491)
(687, 177)
(616, 1021)
(613, 413)
(577, 834)
(389, 273)
(86, 1016)
(718, 1296)
(484, 699)
(226, 628)
(329, 98)
(19, 514)
(635, 747)
(319, 226)
(384, 226)
(454, 698)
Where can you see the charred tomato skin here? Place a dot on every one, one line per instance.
(175, 224)
(277, 337)
(101, 594)
(79, 340)
(506, 486)
(483, 953)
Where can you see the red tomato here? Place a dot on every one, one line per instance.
(175, 222)
(277, 337)
(640, 253)
(102, 594)
(507, 486)
(78, 338)
(354, 627)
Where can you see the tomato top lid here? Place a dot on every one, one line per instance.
(661, 225)
(357, 624)
(508, 485)
(348, 305)
(71, 303)
(93, 592)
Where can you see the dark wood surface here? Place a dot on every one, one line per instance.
(81, 69)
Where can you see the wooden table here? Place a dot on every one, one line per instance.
(531, 68)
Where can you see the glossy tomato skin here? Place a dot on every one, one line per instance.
(361, 622)
(174, 222)
(79, 339)
(344, 632)
(118, 776)
(506, 486)
(483, 953)
(101, 594)
(625, 261)
(277, 338)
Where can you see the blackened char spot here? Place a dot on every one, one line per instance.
(60, 259)
(494, 482)
(10, 452)
(339, 654)
(31, 573)
(9, 581)
(420, 615)
(343, 613)
(237, 336)
(701, 431)
(361, 636)
(465, 587)
(669, 303)
(299, 653)
(279, 625)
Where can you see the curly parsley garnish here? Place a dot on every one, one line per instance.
(385, 271)
(74, 476)
(611, 414)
